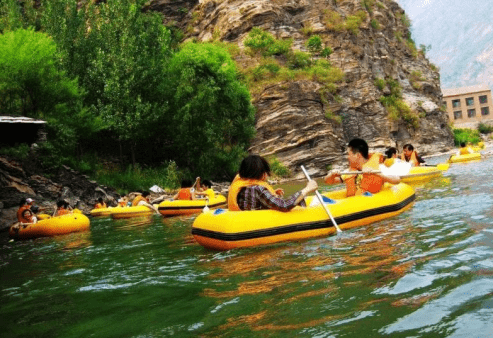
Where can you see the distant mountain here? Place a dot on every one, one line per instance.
(461, 35)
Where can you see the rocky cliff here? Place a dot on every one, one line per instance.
(298, 120)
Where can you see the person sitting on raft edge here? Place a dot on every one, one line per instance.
(250, 191)
(410, 155)
(360, 160)
(208, 192)
(186, 192)
(100, 204)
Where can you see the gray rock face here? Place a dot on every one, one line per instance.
(292, 123)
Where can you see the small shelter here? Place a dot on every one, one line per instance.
(18, 130)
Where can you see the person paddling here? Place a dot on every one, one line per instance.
(360, 160)
(143, 199)
(250, 191)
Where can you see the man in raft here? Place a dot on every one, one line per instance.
(250, 191)
(360, 160)
(410, 155)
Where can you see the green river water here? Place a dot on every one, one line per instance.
(425, 273)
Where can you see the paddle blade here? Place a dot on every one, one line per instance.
(443, 166)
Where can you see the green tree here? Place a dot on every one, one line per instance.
(118, 53)
(213, 117)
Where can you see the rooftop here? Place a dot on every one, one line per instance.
(20, 119)
(465, 90)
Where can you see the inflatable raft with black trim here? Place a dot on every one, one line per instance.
(223, 230)
(189, 207)
(52, 226)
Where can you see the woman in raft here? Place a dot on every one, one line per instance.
(360, 160)
(250, 191)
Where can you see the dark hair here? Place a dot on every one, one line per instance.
(60, 203)
(145, 193)
(27, 211)
(254, 166)
(408, 147)
(358, 145)
(100, 200)
(207, 183)
(462, 144)
(22, 202)
(35, 209)
(390, 152)
(186, 183)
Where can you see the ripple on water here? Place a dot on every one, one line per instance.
(435, 311)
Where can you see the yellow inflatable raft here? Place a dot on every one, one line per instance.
(184, 207)
(464, 158)
(224, 230)
(52, 226)
(102, 212)
(129, 212)
(420, 174)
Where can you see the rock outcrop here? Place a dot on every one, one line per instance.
(19, 181)
(292, 121)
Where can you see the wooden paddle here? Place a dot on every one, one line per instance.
(322, 202)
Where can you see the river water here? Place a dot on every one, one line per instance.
(425, 273)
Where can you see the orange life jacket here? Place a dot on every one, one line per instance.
(100, 206)
(239, 183)
(61, 212)
(138, 199)
(413, 159)
(20, 216)
(184, 194)
(464, 150)
(358, 184)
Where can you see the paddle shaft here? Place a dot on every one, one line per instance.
(322, 202)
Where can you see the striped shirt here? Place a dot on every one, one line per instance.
(257, 197)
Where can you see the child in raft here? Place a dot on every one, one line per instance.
(206, 187)
(144, 200)
(100, 204)
(186, 192)
(250, 191)
(464, 150)
(62, 208)
(360, 160)
(410, 155)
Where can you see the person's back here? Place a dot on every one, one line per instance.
(185, 192)
(250, 191)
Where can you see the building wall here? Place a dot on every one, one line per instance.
(462, 115)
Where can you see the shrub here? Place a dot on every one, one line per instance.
(466, 135)
(20, 152)
(327, 51)
(380, 83)
(334, 21)
(314, 44)
(353, 22)
(264, 43)
(375, 24)
(278, 168)
(299, 60)
(484, 128)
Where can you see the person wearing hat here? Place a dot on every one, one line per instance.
(24, 213)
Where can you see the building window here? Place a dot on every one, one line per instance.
(485, 111)
(470, 101)
(483, 99)
(457, 115)
(471, 113)
(456, 103)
